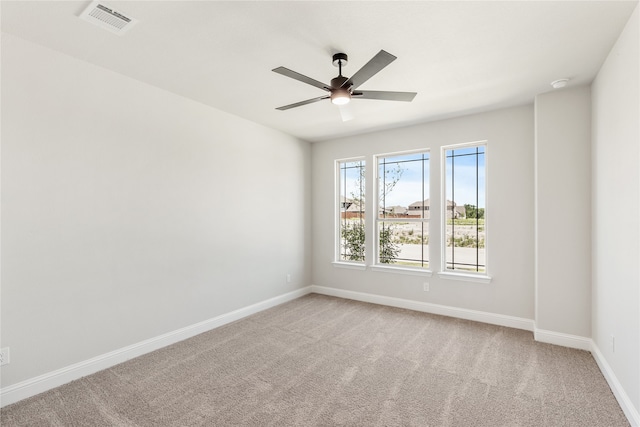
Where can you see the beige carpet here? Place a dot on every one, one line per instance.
(322, 361)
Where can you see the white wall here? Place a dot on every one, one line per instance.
(509, 210)
(563, 211)
(616, 203)
(129, 212)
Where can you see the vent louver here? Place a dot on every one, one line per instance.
(108, 18)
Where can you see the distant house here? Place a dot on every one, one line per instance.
(344, 203)
(420, 209)
(393, 212)
(399, 211)
(460, 211)
(350, 208)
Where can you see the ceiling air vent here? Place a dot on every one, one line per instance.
(108, 18)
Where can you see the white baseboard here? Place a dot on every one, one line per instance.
(565, 340)
(444, 310)
(623, 399)
(42, 383)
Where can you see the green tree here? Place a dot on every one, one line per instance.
(472, 212)
(389, 250)
(353, 233)
(391, 178)
(353, 240)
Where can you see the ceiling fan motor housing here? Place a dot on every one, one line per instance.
(337, 82)
(340, 59)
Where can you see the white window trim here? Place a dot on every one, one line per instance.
(387, 268)
(336, 212)
(465, 277)
(457, 275)
(409, 271)
(350, 265)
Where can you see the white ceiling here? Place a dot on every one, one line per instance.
(461, 57)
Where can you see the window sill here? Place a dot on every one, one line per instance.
(350, 265)
(401, 270)
(465, 277)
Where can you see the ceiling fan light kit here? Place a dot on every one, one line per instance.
(340, 96)
(342, 88)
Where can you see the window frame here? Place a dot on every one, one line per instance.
(338, 261)
(402, 269)
(482, 277)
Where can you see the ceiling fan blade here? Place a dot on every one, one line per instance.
(384, 95)
(301, 78)
(377, 63)
(301, 103)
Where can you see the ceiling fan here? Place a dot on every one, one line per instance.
(342, 89)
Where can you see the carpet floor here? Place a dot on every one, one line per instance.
(323, 361)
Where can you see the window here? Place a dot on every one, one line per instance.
(402, 223)
(464, 199)
(351, 230)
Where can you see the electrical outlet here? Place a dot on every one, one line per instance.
(613, 344)
(288, 278)
(4, 356)
(425, 286)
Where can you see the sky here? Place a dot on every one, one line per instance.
(413, 187)
(412, 182)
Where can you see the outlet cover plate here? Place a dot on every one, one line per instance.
(4, 356)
